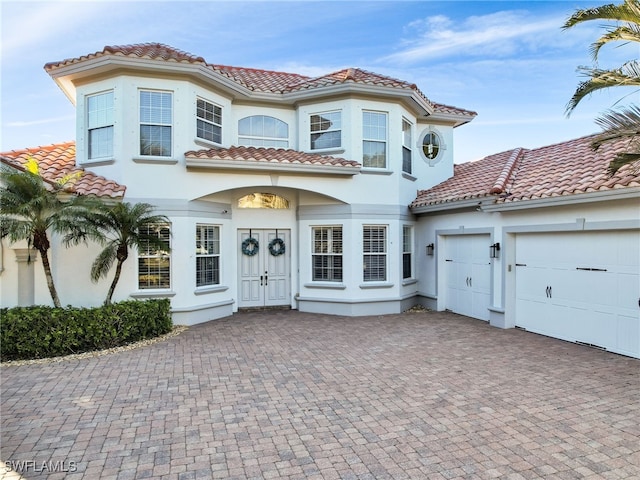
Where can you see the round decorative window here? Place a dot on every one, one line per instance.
(431, 146)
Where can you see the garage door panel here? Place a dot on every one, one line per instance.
(588, 284)
(628, 335)
(468, 275)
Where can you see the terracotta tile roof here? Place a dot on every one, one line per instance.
(256, 79)
(561, 169)
(56, 161)
(270, 155)
(569, 168)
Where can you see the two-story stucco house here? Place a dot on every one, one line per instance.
(334, 194)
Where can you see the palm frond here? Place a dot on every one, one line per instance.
(103, 262)
(598, 79)
(629, 11)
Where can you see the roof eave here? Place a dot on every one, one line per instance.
(248, 166)
(477, 203)
(457, 119)
(67, 75)
(623, 193)
(408, 96)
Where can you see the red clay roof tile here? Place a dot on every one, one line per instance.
(56, 161)
(273, 155)
(256, 79)
(562, 169)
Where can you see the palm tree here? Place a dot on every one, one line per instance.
(616, 124)
(118, 227)
(31, 207)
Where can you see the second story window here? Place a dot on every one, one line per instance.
(208, 121)
(326, 130)
(156, 120)
(100, 126)
(406, 146)
(374, 140)
(263, 131)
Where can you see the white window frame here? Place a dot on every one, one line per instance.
(374, 133)
(164, 122)
(407, 128)
(330, 249)
(325, 123)
(374, 252)
(148, 255)
(100, 120)
(208, 121)
(407, 250)
(207, 251)
(261, 138)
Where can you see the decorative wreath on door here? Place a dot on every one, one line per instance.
(250, 246)
(276, 247)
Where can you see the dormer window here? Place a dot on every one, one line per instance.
(326, 130)
(208, 121)
(156, 123)
(100, 126)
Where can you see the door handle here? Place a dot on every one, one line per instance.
(550, 292)
(471, 281)
(261, 278)
(467, 281)
(266, 278)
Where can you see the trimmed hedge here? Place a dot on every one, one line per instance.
(41, 332)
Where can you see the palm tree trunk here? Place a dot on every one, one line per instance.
(47, 273)
(116, 278)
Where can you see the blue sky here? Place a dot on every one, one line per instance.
(507, 60)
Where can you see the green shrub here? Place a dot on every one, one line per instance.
(42, 332)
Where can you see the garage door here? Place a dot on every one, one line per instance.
(468, 275)
(581, 287)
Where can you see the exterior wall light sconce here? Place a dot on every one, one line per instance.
(430, 249)
(494, 250)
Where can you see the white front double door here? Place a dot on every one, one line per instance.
(265, 277)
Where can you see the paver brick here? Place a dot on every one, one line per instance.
(289, 395)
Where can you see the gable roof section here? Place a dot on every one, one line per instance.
(263, 81)
(260, 158)
(56, 161)
(561, 170)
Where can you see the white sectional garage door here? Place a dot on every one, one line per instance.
(581, 287)
(468, 275)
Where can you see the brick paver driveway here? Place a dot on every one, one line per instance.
(281, 394)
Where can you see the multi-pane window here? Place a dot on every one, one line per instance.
(374, 243)
(327, 254)
(407, 250)
(406, 146)
(208, 121)
(156, 119)
(374, 140)
(207, 255)
(100, 125)
(326, 130)
(154, 259)
(263, 131)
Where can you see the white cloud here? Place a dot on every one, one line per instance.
(498, 34)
